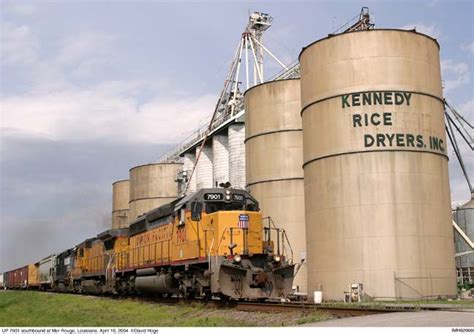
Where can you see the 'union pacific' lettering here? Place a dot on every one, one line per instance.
(375, 98)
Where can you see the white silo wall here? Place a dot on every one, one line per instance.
(188, 165)
(237, 155)
(220, 155)
(204, 168)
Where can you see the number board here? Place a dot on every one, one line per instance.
(213, 197)
(238, 197)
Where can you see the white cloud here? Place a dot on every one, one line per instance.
(55, 107)
(455, 74)
(78, 57)
(103, 112)
(430, 30)
(467, 110)
(82, 55)
(86, 45)
(468, 47)
(18, 44)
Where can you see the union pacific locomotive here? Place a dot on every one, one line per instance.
(210, 243)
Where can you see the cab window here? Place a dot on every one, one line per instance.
(250, 205)
(196, 208)
(222, 206)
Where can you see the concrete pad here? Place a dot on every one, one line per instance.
(404, 319)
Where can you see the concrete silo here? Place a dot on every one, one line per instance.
(376, 181)
(274, 158)
(120, 199)
(151, 186)
(220, 152)
(204, 167)
(237, 155)
(189, 161)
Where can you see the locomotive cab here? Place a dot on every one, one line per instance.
(230, 221)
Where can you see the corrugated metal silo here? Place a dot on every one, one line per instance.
(220, 153)
(237, 155)
(151, 186)
(464, 217)
(377, 192)
(204, 168)
(274, 156)
(120, 199)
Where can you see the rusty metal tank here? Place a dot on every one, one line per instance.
(274, 156)
(151, 186)
(377, 194)
(120, 199)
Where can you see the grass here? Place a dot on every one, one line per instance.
(32, 308)
(468, 304)
(313, 317)
(454, 303)
(29, 308)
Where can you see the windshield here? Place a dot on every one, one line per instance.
(223, 206)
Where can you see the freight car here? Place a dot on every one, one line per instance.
(33, 276)
(16, 278)
(1, 281)
(46, 272)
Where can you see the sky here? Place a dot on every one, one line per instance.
(89, 89)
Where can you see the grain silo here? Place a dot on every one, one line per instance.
(376, 181)
(204, 168)
(237, 155)
(151, 186)
(464, 217)
(120, 199)
(189, 161)
(274, 156)
(220, 152)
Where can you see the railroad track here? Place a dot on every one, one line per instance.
(273, 307)
(308, 307)
(351, 310)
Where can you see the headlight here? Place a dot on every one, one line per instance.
(277, 258)
(227, 192)
(237, 258)
(227, 197)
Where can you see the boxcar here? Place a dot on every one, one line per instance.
(8, 279)
(17, 278)
(33, 275)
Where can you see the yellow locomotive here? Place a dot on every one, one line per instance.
(210, 243)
